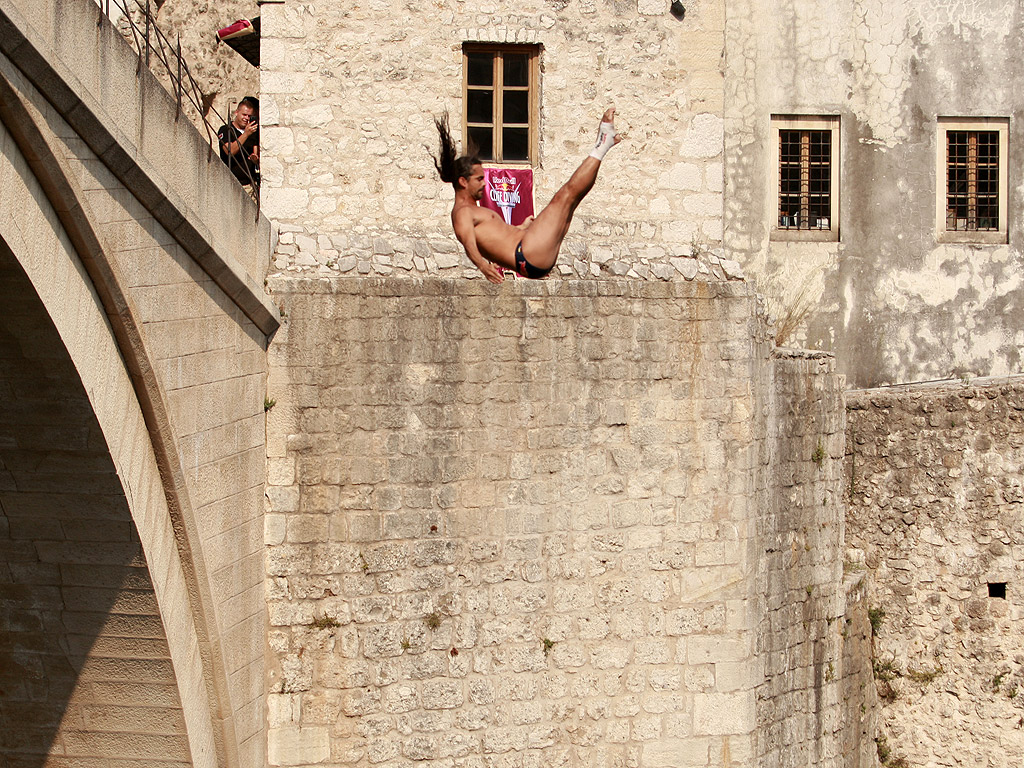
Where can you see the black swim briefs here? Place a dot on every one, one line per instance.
(525, 268)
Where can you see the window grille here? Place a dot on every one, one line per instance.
(500, 114)
(805, 179)
(972, 181)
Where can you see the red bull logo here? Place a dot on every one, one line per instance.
(510, 193)
(505, 192)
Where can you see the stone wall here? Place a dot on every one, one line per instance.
(893, 303)
(859, 711)
(935, 516)
(349, 93)
(537, 525)
(800, 521)
(221, 76)
(85, 665)
(148, 263)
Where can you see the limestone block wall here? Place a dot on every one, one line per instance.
(935, 517)
(349, 93)
(800, 520)
(893, 303)
(86, 668)
(526, 526)
(859, 709)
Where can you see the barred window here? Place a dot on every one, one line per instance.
(972, 180)
(971, 199)
(805, 170)
(806, 160)
(500, 89)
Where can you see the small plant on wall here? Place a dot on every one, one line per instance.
(877, 617)
(887, 757)
(819, 453)
(326, 622)
(791, 308)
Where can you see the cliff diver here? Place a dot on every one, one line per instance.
(531, 248)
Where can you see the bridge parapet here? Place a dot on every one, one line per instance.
(81, 65)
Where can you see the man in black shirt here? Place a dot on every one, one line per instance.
(240, 142)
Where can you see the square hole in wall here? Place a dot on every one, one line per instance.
(997, 589)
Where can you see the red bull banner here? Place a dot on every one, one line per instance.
(509, 191)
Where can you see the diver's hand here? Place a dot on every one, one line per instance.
(491, 272)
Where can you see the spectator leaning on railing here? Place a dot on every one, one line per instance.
(240, 142)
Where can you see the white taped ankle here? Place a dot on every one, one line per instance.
(605, 140)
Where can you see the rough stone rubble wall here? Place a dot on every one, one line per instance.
(221, 75)
(349, 93)
(890, 301)
(518, 526)
(935, 516)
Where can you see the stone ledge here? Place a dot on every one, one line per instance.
(550, 288)
(386, 253)
(955, 386)
(668, 269)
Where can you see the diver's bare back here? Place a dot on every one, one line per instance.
(495, 239)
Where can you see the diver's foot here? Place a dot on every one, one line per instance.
(607, 137)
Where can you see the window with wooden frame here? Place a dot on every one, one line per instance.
(805, 156)
(970, 204)
(499, 116)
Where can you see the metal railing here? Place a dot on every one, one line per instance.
(137, 24)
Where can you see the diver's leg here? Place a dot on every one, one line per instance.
(543, 239)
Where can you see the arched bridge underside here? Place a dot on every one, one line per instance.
(132, 366)
(86, 668)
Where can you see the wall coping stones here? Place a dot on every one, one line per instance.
(456, 286)
(958, 385)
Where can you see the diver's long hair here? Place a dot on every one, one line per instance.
(450, 166)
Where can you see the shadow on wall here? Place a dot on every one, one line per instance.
(84, 664)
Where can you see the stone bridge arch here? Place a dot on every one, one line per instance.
(132, 377)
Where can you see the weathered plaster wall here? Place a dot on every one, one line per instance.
(349, 93)
(935, 516)
(548, 524)
(892, 303)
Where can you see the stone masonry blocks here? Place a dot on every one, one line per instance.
(540, 527)
(354, 190)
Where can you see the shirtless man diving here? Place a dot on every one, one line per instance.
(531, 248)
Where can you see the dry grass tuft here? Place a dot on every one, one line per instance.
(790, 313)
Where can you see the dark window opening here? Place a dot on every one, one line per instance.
(972, 181)
(500, 112)
(805, 179)
(997, 589)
